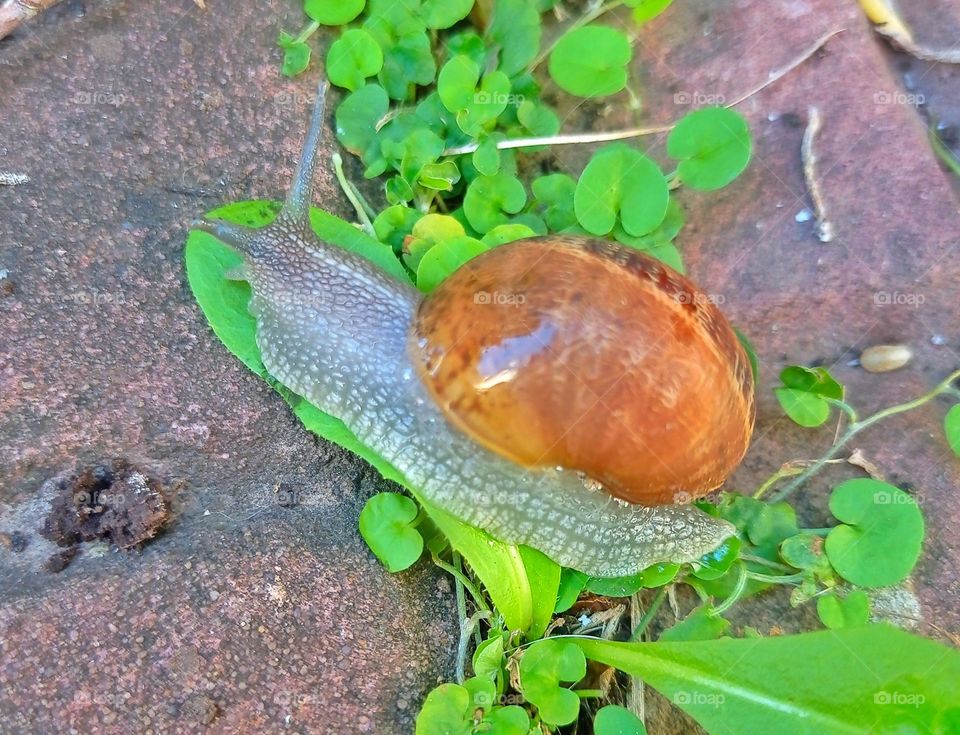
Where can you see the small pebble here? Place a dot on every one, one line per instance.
(884, 358)
(804, 215)
(938, 339)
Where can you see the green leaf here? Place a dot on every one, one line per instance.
(539, 119)
(844, 612)
(644, 10)
(476, 103)
(660, 574)
(407, 57)
(713, 146)
(352, 58)
(543, 668)
(394, 224)
(486, 159)
(444, 712)
(514, 31)
(440, 176)
(803, 393)
(488, 658)
(716, 563)
(824, 683)
(296, 55)
(357, 117)
(951, 426)
(572, 583)
(616, 720)
(444, 258)
(385, 524)
(553, 200)
(511, 720)
(620, 182)
(803, 551)
(881, 536)
(699, 625)
(591, 61)
(333, 12)
(444, 13)
(543, 575)
(502, 234)
(467, 43)
(490, 198)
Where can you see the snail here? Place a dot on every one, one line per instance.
(580, 415)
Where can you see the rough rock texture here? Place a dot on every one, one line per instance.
(131, 118)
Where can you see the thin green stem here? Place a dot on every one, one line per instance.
(467, 626)
(776, 578)
(737, 593)
(589, 693)
(462, 578)
(856, 427)
(649, 615)
(585, 19)
(308, 31)
(765, 562)
(787, 470)
(353, 195)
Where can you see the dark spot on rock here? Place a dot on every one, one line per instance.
(115, 502)
(200, 709)
(792, 120)
(290, 492)
(15, 542)
(59, 561)
(6, 287)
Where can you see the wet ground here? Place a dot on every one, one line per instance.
(255, 606)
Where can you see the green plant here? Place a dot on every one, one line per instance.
(438, 112)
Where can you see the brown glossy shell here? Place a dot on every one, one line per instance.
(579, 353)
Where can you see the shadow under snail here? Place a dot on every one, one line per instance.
(562, 392)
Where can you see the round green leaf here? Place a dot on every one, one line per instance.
(621, 181)
(393, 225)
(644, 10)
(490, 198)
(333, 12)
(407, 57)
(444, 13)
(544, 666)
(502, 234)
(352, 58)
(430, 230)
(357, 116)
(443, 259)
(660, 574)
(553, 199)
(296, 55)
(514, 30)
(699, 625)
(615, 586)
(616, 720)
(385, 526)
(713, 146)
(951, 425)
(538, 119)
(572, 584)
(591, 61)
(457, 82)
(444, 712)
(806, 409)
(844, 612)
(486, 159)
(717, 562)
(488, 658)
(881, 536)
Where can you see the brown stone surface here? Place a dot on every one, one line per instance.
(134, 117)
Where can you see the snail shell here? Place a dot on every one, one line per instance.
(583, 354)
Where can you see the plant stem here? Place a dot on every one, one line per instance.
(858, 426)
(591, 15)
(308, 31)
(734, 596)
(775, 578)
(649, 615)
(462, 578)
(466, 630)
(356, 199)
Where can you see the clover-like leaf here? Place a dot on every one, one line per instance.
(443, 259)
(514, 30)
(296, 55)
(543, 668)
(803, 392)
(510, 720)
(467, 43)
(428, 231)
(385, 524)
(333, 12)
(644, 10)
(486, 159)
(591, 61)
(713, 146)
(951, 426)
(475, 106)
(844, 612)
(352, 58)
(881, 536)
(489, 199)
(444, 712)
(356, 120)
(699, 625)
(407, 55)
(616, 720)
(444, 13)
(621, 183)
(393, 225)
(553, 200)
(538, 119)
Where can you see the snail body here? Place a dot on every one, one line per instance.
(372, 351)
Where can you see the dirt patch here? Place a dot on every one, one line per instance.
(115, 502)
